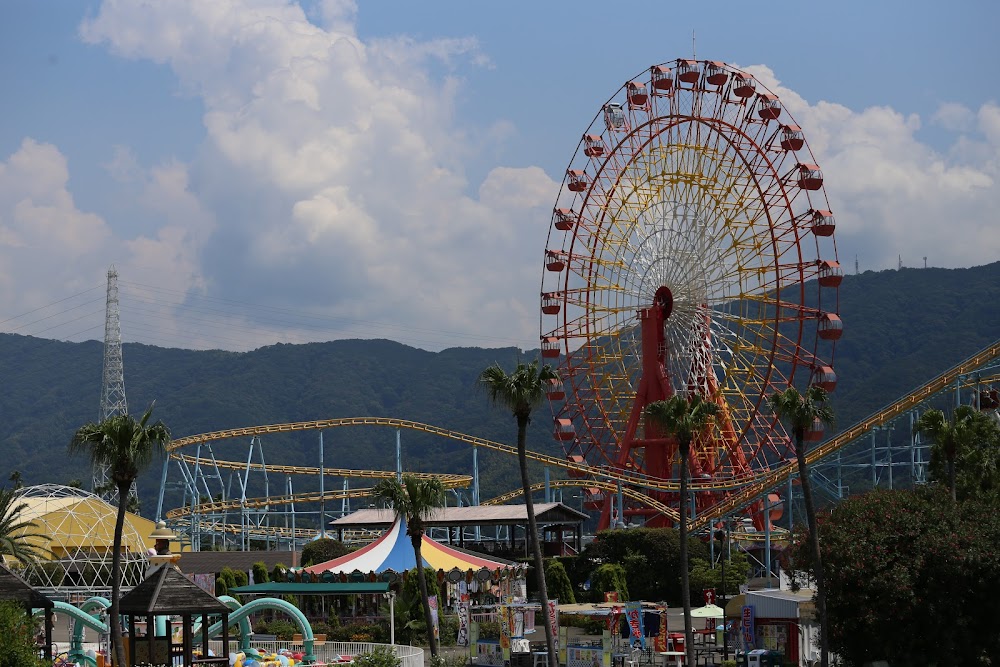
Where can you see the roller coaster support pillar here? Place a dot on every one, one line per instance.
(163, 484)
(788, 502)
(621, 504)
(399, 457)
(322, 494)
(767, 537)
(548, 489)
(475, 484)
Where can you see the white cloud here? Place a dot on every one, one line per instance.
(894, 195)
(350, 164)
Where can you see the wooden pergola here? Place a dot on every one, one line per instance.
(167, 592)
(13, 587)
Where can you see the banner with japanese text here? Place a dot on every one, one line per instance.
(554, 621)
(633, 613)
(432, 601)
(463, 624)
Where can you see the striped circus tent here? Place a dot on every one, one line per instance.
(393, 551)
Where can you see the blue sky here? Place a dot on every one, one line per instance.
(399, 183)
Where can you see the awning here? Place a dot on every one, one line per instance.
(394, 551)
(325, 588)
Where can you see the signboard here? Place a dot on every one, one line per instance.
(554, 621)
(633, 612)
(709, 596)
(611, 596)
(432, 602)
(746, 625)
(463, 624)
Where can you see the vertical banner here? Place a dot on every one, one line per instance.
(563, 640)
(473, 639)
(661, 637)
(606, 648)
(633, 612)
(746, 625)
(553, 619)
(504, 612)
(463, 624)
(433, 602)
(709, 594)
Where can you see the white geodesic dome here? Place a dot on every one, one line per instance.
(79, 530)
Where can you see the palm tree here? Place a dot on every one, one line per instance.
(521, 392)
(684, 419)
(16, 535)
(126, 447)
(414, 499)
(17, 478)
(801, 413)
(951, 436)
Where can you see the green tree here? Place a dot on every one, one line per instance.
(414, 499)
(608, 578)
(521, 392)
(323, 549)
(557, 582)
(968, 434)
(17, 478)
(685, 419)
(126, 447)
(17, 631)
(912, 561)
(16, 535)
(801, 412)
(260, 573)
(650, 556)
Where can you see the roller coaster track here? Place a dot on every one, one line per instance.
(450, 481)
(629, 493)
(773, 478)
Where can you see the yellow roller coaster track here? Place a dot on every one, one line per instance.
(775, 477)
(629, 493)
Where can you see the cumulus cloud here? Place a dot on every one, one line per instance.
(893, 194)
(347, 162)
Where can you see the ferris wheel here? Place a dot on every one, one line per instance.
(691, 250)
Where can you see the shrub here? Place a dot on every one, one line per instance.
(448, 629)
(260, 573)
(451, 660)
(359, 632)
(379, 656)
(18, 633)
(489, 630)
(282, 629)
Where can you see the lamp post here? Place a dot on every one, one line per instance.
(721, 536)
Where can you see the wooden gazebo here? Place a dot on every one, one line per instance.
(13, 587)
(167, 592)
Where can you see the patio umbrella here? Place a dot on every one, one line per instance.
(708, 611)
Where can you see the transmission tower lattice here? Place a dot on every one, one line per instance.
(113, 401)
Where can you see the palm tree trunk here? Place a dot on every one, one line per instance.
(951, 478)
(824, 629)
(685, 582)
(116, 578)
(416, 541)
(536, 548)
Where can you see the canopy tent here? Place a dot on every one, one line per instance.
(393, 551)
(708, 611)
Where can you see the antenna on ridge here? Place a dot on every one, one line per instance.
(113, 403)
(856, 272)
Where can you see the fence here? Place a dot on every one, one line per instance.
(325, 652)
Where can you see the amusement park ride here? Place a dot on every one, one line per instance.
(691, 252)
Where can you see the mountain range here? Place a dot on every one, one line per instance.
(901, 328)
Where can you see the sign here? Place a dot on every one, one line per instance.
(505, 623)
(633, 612)
(746, 625)
(432, 602)
(660, 642)
(554, 621)
(463, 624)
(611, 596)
(709, 596)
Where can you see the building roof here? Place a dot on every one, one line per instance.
(13, 587)
(168, 591)
(479, 515)
(213, 562)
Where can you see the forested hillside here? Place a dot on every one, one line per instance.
(901, 328)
